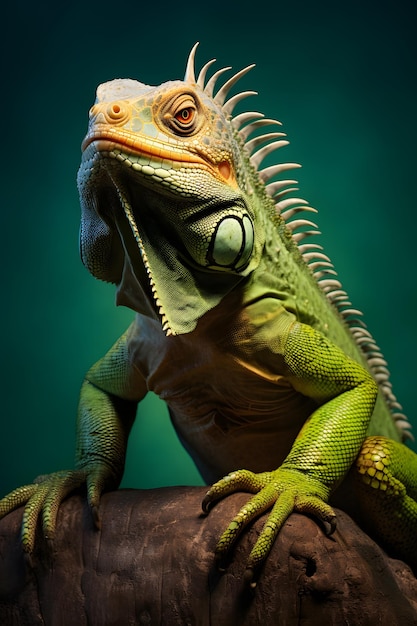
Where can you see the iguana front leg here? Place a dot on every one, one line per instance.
(324, 450)
(107, 409)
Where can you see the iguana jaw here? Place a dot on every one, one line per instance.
(106, 138)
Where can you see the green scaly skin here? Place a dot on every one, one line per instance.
(259, 366)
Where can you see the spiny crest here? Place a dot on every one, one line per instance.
(220, 97)
(295, 212)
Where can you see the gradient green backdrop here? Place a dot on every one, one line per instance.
(342, 78)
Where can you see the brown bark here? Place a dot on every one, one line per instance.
(152, 563)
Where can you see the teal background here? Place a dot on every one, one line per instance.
(342, 78)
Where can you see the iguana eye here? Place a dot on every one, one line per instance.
(185, 116)
(182, 114)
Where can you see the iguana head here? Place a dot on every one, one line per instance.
(167, 196)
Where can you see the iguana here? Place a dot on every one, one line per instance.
(273, 382)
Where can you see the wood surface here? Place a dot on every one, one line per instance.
(152, 564)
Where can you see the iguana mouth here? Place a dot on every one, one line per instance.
(105, 138)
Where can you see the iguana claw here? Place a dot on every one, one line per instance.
(241, 480)
(284, 491)
(43, 498)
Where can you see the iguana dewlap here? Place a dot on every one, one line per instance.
(241, 326)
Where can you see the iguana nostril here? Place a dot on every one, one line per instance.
(117, 113)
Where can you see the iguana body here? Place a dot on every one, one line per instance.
(241, 326)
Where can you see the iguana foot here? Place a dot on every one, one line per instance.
(284, 491)
(43, 498)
